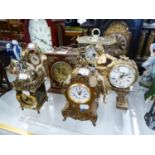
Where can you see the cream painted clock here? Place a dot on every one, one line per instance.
(40, 34)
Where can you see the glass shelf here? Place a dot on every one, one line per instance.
(50, 120)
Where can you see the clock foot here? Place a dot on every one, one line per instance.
(94, 120)
(64, 118)
(94, 123)
(38, 111)
(22, 108)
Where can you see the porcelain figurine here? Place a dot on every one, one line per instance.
(149, 66)
(14, 50)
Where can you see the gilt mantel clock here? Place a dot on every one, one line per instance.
(123, 74)
(82, 96)
(42, 32)
(60, 64)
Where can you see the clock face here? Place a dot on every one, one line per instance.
(40, 34)
(79, 93)
(90, 54)
(60, 71)
(122, 41)
(34, 59)
(122, 76)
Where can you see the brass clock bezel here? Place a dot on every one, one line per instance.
(56, 78)
(28, 101)
(82, 101)
(124, 65)
(32, 54)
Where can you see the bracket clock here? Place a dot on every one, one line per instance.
(123, 74)
(82, 96)
(42, 32)
(60, 64)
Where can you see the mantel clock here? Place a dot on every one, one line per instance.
(82, 95)
(60, 64)
(122, 76)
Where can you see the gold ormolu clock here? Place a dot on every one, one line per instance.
(60, 64)
(30, 90)
(82, 96)
(122, 76)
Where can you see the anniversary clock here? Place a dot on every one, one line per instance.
(82, 95)
(122, 76)
(60, 64)
(41, 32)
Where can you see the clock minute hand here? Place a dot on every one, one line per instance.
(41, 40)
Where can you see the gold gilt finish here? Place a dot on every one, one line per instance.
(31, 93)
(149, 42)
(80, 101)
(60, 71)
(35, 59)
(119, 28)
(72, 108)
(122, 102)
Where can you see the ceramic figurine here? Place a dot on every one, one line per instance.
(14, 50)
(149, 65)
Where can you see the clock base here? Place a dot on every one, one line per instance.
(122, 103)
(56, 90)
(84, 115)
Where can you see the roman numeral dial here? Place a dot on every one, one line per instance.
(79, 93)
(122, 76)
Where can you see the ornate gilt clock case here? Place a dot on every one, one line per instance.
(123, 74)
(30, 90)
(60, 64)
(35, 59)
(82, 97)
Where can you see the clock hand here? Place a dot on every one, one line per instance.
(42, 40)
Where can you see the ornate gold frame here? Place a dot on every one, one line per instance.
(60, 79)
(118, 27)
(82, 101)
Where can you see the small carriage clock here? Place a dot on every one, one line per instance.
(60, 64)
(30, 90)
(82, 96)
(122, 76)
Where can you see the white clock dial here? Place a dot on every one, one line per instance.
(40, 34)
(79, 93)
(34, 59)
(122, 76)
(90, 54)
